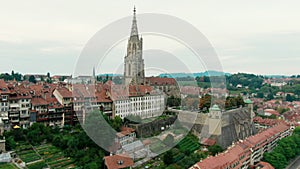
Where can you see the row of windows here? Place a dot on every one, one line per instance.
(4, 104)
(138, 110)
(5, 109)
(141, 99)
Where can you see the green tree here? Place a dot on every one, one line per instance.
(214, 149)
(173, 101)
(277, 160)
(32, 79)
(48, 80)
(205, 103)
(260, 95)
(270, 96)
(10, 143)
(168, 157)
(289, 98)
(117, 123)
(240, 101)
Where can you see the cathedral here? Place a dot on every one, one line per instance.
(134, 73)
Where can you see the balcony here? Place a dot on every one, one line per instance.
(15, 121)
(24, 115)
(14, 105)
(55, 117)
(24, 122)
(13, 115)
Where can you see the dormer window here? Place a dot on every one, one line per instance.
(4, 98)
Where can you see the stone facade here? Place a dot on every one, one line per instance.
(2, 146)
(148, 129)
(225, 127)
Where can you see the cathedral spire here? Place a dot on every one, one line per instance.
(134, 30)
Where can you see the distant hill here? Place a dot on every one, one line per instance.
(110, 75)
(200, 74)
(276, 76)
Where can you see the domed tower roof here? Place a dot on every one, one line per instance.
(215, 108)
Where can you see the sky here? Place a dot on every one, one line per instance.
(260, 37)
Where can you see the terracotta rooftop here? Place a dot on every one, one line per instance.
(160, 81)
(233, 153)
(264, 165)
(208, 142)
(64, 92)
(3, 87)
(118, 161)
(38, 101)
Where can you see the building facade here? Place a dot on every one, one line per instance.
(248, 152)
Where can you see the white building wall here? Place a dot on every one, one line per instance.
(143, 106)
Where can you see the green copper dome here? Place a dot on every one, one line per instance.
(215, 108)
(248, 101)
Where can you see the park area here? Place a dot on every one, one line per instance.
(7, 166)
(43, 156)
(186, 153)
(188, 144)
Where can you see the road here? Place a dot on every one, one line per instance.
(295, 164)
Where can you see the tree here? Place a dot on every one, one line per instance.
(10, 143)
(230, 103)
(32, 79)
(214, 149)
(282, 110)
(260, 95)
(168, 157)
(117, 123)
(240, 101)
(205, 103)
(270, 96)
(277, 160)
(172, 101)
(48, 80)
(289, 98)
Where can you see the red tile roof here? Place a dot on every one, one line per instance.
(118, 161)
(272, 111)
(208, 142)
(232, 154)
(264, 165)
(160, 81)
(265, 122)
(3, 87)
(64, 92)
(38, 101)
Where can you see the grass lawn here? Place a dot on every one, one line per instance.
(51, 155)
(54, 157)
(38, 165)
(7, 166)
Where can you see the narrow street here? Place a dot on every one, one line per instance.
(295, 164)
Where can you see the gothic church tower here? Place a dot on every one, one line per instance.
(134, 63)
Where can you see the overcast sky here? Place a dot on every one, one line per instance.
(261, 37)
